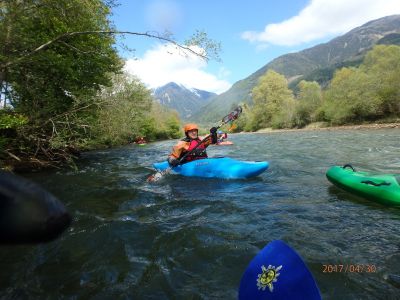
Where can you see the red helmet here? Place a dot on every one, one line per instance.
(190, 126)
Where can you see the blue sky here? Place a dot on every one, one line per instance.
(251, 33)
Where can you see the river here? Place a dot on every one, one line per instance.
(192, 238)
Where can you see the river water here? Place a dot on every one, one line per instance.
(192, 238)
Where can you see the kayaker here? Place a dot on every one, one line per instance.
(189, 143)
(141, 140)
(221, 136)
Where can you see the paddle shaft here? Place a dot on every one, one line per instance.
(197, 146)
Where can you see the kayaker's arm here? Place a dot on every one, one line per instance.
(210, 139)
(173, 158)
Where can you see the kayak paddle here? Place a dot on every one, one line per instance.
(228, 118)
(278, 272)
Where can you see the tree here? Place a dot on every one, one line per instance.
(55, 87)
(55, 56)
(123, 110)
(273, 102)
(50, 82)
(382, 63)
(309, 100)
(350, 97)
(369, 92)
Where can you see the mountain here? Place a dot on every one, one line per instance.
(316, 63)
(184, 100)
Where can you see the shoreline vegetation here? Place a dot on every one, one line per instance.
(32, 164)
(323, 127)
(63, 88)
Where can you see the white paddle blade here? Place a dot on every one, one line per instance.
(159, 175)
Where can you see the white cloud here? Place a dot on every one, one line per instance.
(167, 63)
(323, 18)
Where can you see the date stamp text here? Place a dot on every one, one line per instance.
(349, 268)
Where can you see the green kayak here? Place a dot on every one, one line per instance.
(381, 188)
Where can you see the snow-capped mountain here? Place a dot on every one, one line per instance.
(185, 101)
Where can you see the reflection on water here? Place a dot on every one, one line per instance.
(192, 238)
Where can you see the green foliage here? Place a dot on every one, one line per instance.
(211, 48)
(309, 100)
(59, 61)
(167, 123)
(10, 123)
(127, 111)
(11, 120)
(122, 111)
(349, 97)
(273, 102)
(369, 92)
(382, 65)
(172, 126)
(52, 81)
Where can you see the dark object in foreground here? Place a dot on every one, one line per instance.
(29, 213)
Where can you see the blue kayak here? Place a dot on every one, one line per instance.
(222, 167)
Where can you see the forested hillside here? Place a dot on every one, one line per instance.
(369, 92)
(314, 64)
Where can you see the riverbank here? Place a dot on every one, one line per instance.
(320, 126)
(31, 164)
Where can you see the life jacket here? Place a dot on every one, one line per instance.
(198, 153)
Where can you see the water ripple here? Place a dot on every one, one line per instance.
(192, 238)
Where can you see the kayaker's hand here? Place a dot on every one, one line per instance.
(173, 162)
(214, 137)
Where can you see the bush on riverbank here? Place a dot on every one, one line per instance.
(127, 111)
(119, 115)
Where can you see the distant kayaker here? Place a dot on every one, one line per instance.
(141, 140)
(189, 143)
(221, 136)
